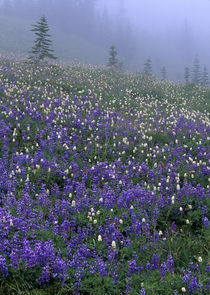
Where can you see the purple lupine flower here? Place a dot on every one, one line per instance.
(45, 277)
(3, 266)
(170, 263)
(205, 222)
(132, 267)
(102, 267)
(155, 262)
(163, 269)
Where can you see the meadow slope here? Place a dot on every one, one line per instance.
(103, 182)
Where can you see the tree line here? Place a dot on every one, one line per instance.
(194, 75)
(81, 18)
(41, 50)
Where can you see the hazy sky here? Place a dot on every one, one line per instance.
(156, 14)
(168, 25)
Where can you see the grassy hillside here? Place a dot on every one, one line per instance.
(103, 183)
(16, 37)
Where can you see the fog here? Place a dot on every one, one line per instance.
(171, 32)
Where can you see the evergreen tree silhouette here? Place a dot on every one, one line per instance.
(163, 73)
(187, 75)
(205, 77)
(113, 61)
(196, 76)
(41, 48)
(148, 67)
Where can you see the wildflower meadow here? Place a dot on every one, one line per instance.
(104, 182)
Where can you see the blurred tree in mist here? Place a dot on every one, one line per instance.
(148, 67)
(205, 77)
(163, 73)
(187, 75)
(196, 75)
(113, 61)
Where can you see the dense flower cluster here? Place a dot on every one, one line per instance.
(95, 176)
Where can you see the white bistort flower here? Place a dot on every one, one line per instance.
(114, 245)
(200, 259)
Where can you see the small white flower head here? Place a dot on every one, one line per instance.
(99, 238)
(180, 209)
(131, 207)
(98, 212)
(111, 210)
(173, 200)
(142, 285)
(55, 222)
(183, 290)
(160, 233)
(190, 207)
(121, 221)
(200, 259)
(143, 220)
(114, 245)
(70, 195)
(95, 221)
(4, 219)
(101, 200)
(187, 221)
(73, 203)
(178, 187)
(90, 218)
(10, 222)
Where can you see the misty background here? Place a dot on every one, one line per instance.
(171, 32)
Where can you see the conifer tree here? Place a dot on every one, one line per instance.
(196, 76)
(148, 67)
(163, 73)
(113, 61)
(41, 48)
(205, 77)
(187, 75)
